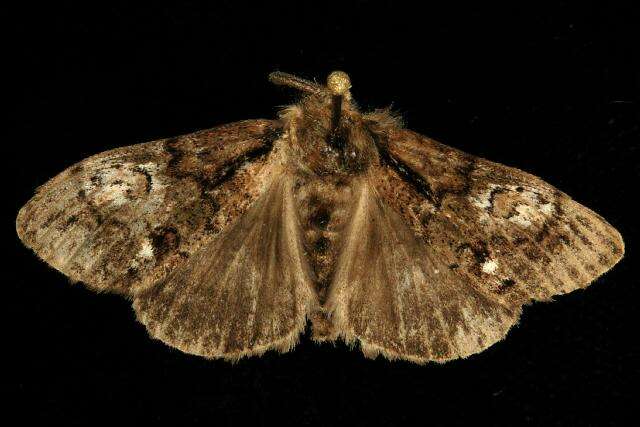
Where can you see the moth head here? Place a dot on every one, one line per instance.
(338, 83)
(326, 128)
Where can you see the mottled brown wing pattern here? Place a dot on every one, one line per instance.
(228, 240)
(459, 244)
(248, 290)
(393, 294)
(121, 220)
(518, 235)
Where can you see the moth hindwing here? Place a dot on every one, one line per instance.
(229, 240)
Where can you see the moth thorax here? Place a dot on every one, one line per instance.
(329, 145)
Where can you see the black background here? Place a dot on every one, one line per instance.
(549, 88)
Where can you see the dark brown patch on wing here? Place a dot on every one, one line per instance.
(164, 240)
(536, 235)
(126, 217)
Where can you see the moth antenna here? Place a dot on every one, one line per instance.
(286, 79)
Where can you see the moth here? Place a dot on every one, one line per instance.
(228, 241)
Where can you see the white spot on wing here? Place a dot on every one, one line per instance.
(531, 197)
(484, 218)
(489, 267)
(547, 208)
(146, 251)
(117, 186)
(482, 201)
(525, 215)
